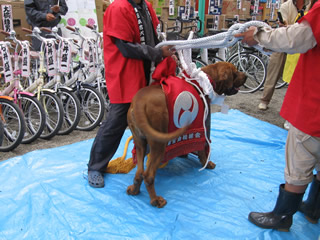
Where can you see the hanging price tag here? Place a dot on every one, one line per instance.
(7, 17)
(238, 4)
(91, 55)
(25, 50)
(65, 56)
(171, 7)
(256, 7)
(51, 57)
(187, 10)
(6, 61)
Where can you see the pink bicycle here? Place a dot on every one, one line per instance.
(33, 111)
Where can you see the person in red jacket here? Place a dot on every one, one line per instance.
(301, 108)
(129, 38)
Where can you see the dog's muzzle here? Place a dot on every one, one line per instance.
(231, 91)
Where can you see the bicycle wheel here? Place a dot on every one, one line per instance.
(54, 114)
(253, 67)
(13, 125)
(92, 108)
(104, 92)
(1, 132)
(72, 111)
(280, 83)
(34, 116)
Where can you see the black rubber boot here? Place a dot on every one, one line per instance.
(281, 217)
(311, 207)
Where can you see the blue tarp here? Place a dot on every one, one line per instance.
(45, 195)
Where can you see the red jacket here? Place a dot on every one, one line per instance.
(124, 76)
(301, 105)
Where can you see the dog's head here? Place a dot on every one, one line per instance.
(227, 79)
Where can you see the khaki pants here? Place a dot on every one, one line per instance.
(274, 72)
(302, 157)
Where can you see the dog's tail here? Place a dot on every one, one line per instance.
(142, 122)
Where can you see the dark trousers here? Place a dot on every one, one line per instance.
(108, 137)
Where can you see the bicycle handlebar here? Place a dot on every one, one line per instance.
(71, 28)
(26, 30)
(90, 26)
(46, 29)
(5, 33)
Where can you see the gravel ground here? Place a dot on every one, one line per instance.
(246, 103)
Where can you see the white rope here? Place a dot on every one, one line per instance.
(220, 40)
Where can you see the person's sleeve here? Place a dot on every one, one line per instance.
(33, 13)
(313, 18)
(138, 51)
(63, 7)
(296, 38)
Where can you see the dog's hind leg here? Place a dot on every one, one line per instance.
(141, 146)
(202, 155)
(157, 151)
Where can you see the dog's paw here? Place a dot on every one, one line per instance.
(133, 190)
(159, 202)
(211, 165)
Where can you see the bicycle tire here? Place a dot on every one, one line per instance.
(34, 116)
(1, 132)
(13, 125)
(54, 114)
(214, 59)
(72, 111)
(92, 108)
(255, 69)
(280, 83)
(104, 92)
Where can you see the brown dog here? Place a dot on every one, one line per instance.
(148, 121)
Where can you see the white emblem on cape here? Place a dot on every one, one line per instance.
(185, 109)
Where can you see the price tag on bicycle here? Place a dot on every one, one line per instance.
(6, 60)
(51, 56)
(65, 55)
(91, 55)
(25, 52)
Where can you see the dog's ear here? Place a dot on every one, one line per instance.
(210, 70)
(224, 80)
(221, 74)
(239, 78)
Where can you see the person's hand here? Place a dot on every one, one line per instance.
(55, 8)
(282, 24)
(167, 51)
(50, 17)
(247, 37)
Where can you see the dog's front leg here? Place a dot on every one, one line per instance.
(157, 151)
(202, 155)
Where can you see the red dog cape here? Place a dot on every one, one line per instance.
(184, 107)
